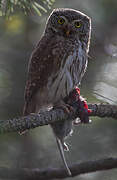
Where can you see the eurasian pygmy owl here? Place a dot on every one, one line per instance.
(58, 64)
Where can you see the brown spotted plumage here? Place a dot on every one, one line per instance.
(58, 64)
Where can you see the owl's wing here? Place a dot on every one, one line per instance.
(40, 67)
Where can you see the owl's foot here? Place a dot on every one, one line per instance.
(62, 105)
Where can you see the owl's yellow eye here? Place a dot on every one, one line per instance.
(78, 24)
(61, 21)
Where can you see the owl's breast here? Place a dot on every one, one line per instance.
(59, 85)
(68, 75)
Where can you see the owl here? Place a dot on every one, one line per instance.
(57, 65)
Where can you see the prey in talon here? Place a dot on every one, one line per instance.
(75, 99)
(56, 67)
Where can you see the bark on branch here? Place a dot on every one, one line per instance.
(52, 173)
(54, 115)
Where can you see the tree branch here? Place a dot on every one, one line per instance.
(34, 120)
(52, 173)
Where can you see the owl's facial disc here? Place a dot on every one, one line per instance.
(63, 25)
(68, 28)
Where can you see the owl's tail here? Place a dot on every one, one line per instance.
(61, 150)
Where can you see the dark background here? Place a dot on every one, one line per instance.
(89, 142)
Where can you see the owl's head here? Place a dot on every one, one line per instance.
(68, 23)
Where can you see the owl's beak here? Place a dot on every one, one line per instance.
(67, 29)
(67, 32)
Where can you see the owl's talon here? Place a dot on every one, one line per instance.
(66, 107)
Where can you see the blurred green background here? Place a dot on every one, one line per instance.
(89, 142)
